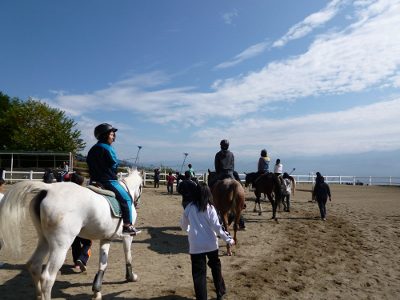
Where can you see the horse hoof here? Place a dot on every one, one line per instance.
(259, 213)
(133, 278)
(254, 210)
(97, 296)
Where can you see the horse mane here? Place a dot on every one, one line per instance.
(134, 177)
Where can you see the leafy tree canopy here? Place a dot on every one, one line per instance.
(34, 126)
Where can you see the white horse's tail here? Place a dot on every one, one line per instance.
(21, 197)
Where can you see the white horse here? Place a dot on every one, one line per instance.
(60, 212)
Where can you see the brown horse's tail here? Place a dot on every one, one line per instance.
(232, 191)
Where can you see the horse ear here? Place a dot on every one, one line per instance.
(129, 170)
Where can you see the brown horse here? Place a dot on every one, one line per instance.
(270, 185)
(228, 197)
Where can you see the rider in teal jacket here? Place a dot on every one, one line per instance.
(103, 163)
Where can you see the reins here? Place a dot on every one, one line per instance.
(135, 202)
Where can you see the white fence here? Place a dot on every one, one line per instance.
(148, 178)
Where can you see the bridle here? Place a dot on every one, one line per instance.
(135, 201)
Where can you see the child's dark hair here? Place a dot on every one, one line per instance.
(203, 197)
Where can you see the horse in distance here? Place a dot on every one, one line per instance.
(268, 184)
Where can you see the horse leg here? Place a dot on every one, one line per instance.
(103, 259)
(226, 227)
(58, 252)
(34, 265)
(274, 206)
(258, 201)
(236, 224)
(127, 242)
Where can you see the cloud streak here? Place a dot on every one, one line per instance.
(250, 52)
(311, 22)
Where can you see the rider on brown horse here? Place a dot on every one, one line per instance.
(224, 164)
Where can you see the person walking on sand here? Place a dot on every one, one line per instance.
(321, 193)
(200, 220)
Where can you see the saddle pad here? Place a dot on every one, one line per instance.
(114, 205)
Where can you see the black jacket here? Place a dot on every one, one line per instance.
(188, 189)
(224, 163)
(321, 191)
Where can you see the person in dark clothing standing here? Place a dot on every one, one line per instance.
(156, 178)
(188, 189)
(321, 193)
(103, 163)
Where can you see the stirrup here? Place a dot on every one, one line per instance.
(130, 230)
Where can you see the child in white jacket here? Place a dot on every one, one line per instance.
(200, 219)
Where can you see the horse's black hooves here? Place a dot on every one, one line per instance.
(259, 213)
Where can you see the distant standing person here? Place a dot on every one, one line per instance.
(64, 171)
(170, 183)
(200, 220)
(278, 169)
(156, 178)
(321, 193)
(286, 191)
(81, 251)
(263, 162)
(191, 170)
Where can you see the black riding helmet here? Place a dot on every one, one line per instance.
(224, 144)
(101, 131)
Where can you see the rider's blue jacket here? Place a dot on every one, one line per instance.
(102, 162)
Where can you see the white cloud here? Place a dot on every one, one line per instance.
(250, 52)
(229, 16)
(356, 130)
(314, 20)
(297, 31)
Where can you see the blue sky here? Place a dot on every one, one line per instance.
(316, 83)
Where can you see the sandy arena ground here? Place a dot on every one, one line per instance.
(355, 254)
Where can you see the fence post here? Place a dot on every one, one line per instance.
(354, 180)
(31, 175)
(390, 180)
(370, 180)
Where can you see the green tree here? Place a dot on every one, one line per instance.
(35, 126)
